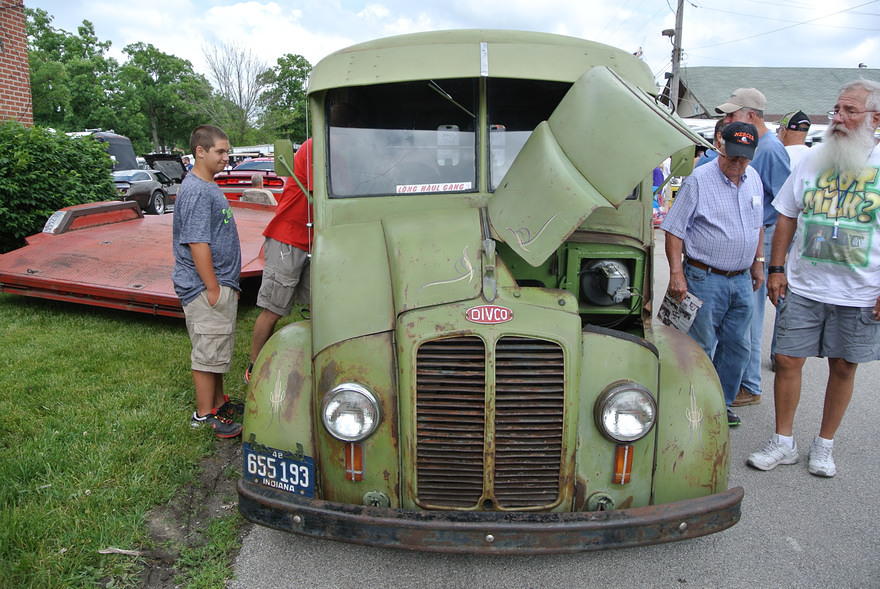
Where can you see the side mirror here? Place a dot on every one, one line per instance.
(284, 164)
(284, 157)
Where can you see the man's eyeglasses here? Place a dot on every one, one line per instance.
(846, 114)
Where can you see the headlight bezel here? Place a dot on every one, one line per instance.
(359, 389)
(614, 393)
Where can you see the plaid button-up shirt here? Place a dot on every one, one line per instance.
(718, 221)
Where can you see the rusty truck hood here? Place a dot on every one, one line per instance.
(605, 136)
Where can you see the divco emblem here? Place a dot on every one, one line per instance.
(488, 314)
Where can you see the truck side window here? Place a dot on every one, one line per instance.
(515, 109)
(403, 138)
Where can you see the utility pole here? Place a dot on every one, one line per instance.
(676, 56)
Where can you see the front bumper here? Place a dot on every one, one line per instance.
(490, 532)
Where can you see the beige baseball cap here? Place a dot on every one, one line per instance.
(743, 98)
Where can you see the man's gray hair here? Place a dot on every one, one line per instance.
(872, 101)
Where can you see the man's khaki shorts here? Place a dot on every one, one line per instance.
(285, 277)
(806, 328)
(212, 330)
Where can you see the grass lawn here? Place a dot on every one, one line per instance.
(95, 434)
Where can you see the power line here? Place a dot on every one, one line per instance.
(765, 4)
(668, 62)
(806, 5)
(650, 20)
(616, 11)
(620, 10)
(787, 27)
(763, 17)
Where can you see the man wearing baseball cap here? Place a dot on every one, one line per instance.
(771, 161)
(713, 244)
(792, 132)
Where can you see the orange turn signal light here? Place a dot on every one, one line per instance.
(623, 464)
(354, 461)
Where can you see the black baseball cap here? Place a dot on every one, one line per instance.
(740, 140)
(796, 121)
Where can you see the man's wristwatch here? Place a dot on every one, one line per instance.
(776, 270)
(761, 259)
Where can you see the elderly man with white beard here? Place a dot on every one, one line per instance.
(827, 292)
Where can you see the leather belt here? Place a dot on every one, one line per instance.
(710, 269)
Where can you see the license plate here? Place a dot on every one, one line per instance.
(279, 470)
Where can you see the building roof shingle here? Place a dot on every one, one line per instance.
(812, 90)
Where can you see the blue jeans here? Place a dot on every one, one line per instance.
(751, 379)
(721, 326)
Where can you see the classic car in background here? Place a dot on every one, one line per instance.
(237, 180)
(154, 189)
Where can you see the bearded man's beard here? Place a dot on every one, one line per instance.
(845, 150)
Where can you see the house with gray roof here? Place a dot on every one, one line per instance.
(812, 90)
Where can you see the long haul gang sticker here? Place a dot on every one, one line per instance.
(488, 314)
(440, 187)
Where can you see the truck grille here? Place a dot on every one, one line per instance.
(451, 426)
(450, 397)
(529, 399)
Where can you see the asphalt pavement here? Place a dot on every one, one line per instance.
(796, 530)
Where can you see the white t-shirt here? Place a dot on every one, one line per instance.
(835, 254)
(795, 154)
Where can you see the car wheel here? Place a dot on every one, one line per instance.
(157, 203)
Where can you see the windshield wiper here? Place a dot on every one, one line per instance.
(436, 88)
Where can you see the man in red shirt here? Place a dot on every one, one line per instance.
(286, 251)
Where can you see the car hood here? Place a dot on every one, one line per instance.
(170, 164)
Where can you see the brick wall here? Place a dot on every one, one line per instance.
(15, 83)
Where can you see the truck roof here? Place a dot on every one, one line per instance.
(473, 53)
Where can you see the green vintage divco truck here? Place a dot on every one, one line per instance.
(480, 372)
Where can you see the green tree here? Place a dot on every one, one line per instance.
(163, 93)
(284, 99)
(50, 93)
(72, 79)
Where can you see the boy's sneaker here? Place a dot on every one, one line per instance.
(230, 409)
(821, 461)
(222, 426)
(247, 373)
(772, 455)
(733, 419)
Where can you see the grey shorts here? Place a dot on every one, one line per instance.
(285, 277)
(807, 328)
(212, 330)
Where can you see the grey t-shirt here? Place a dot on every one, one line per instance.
(203, 215)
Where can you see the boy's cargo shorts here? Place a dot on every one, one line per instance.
(212, 330)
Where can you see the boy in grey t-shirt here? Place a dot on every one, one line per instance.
(207, 264)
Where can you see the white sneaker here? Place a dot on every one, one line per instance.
(821, 460)
(772, 455)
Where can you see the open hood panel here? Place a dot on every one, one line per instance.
(602, 140)
(170, 164)
(542, 198)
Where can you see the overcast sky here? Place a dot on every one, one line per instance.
(803, 33)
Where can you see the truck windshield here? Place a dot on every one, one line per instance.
(403, 138)
(515, 109)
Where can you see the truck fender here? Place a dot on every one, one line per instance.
(278, 411)
(692, 433)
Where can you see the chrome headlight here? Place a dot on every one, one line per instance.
(350, 412)
(625, 412)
